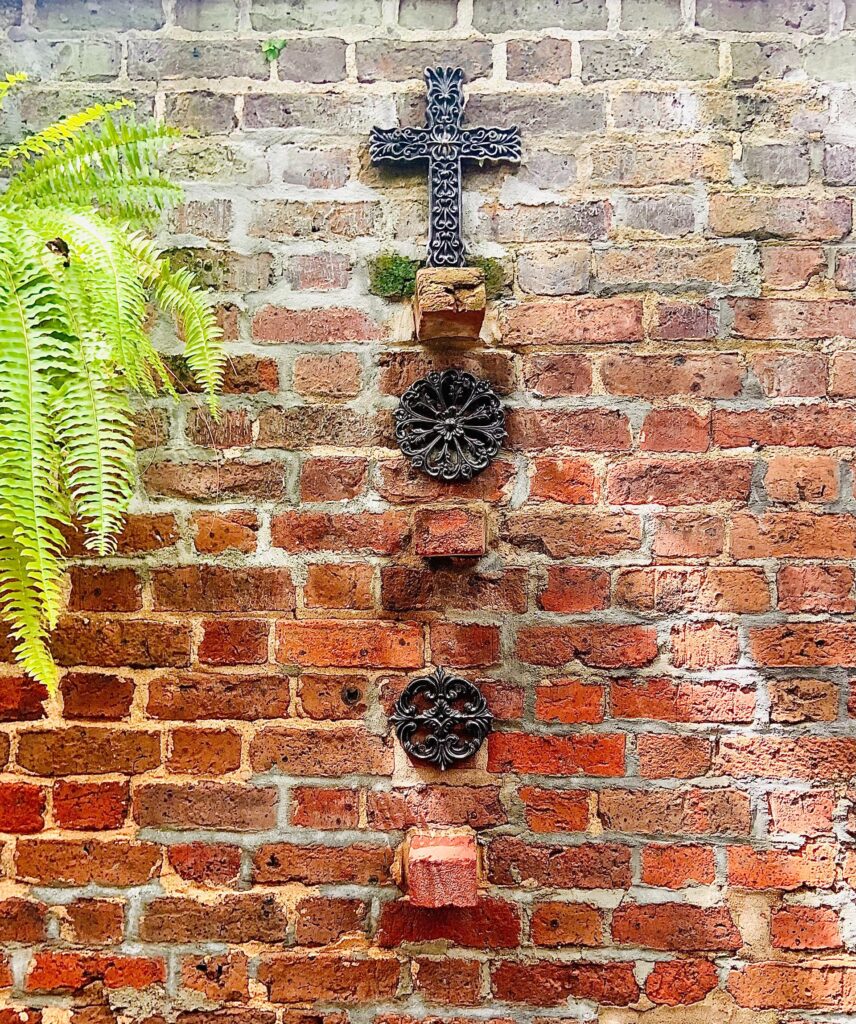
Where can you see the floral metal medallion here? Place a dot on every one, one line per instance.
(450, 424)
(441, 719)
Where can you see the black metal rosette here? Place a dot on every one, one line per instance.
(441, 719)
(450, 425)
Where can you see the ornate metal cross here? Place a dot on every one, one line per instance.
(444, 143)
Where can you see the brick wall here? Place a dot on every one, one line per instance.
(201, 826)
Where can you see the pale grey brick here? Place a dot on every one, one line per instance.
(227, 271)
(845, 270)
(650, 14)
(85, 16)
(671, 216)
(315, 168)
(394, 61)
(157, 59)
(664, 59)
(214, 160)
(839, 165)
(312, 60)
(549, 170)
(544, 60)
(537, 115)
(763, 62)
(776, 163)
(40, 107)
(276, 15)
(504, 15)
(319, 112)
(811, 16)
(554, 270)
(437, 15)
(206, 113)
(551, 222)
(207, 15)
(79, 59)
(832, 61)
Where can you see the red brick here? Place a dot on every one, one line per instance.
(358, 864)
(807, 814)
(234, 918)
(93, 922)
(448, 981)
(566, 535)
(22, 920)
(689, 811)
(571, 481)
(383, 533)
(59, 971)
(700, 645)
(587, 430)
(813, 865)
(675, 867)
(88, 750)
(681, 982)
(599, 646)
(791, 266)
(465, 646)
(792, 987)
(793, 479)
(586, 321)
(677, 927)
(442, 870)
(115, 643)
(547, 983)
(801, 644)
(334, 376)
(566, 924)
(332, 479)
(557, 374)
(220, 977)
(808, 758)
(21, 699)
(191, 696)
(815, 928)
(98, 696)
(767, 319)
(591, 866)
(234, 642)
(331, 978)
(719, 376)
(328, 752)
(569, 701)
(322, 921)
(491, 924)
(117, 862)
(574, 589)
(332, 698)
(216, 805)
(821, 426)
(678, 700)
(665, 757)
(204, 751)
(22, 807)
(791, 374)
(816, 588)
(769, 216)
(475, 806)
(217, 532)
(449, 532)
(210, 864)
(90, 805)
(688, 535)
(599, 754)
(793, 535)
(677, 482)
(675, 430)
(214, 588)
(313, 326)
(550, 810)
(336, 644)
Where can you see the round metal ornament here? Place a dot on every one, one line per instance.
(450, 425)
(441, 719)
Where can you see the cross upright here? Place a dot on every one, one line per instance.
(444, 143)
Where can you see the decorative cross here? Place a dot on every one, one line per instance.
(444, 144)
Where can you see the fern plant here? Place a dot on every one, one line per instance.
(77, 274)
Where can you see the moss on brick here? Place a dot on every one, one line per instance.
(495, 276)
(393, 276)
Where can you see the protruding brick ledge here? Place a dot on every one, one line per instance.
(441, 869)
(449, 303)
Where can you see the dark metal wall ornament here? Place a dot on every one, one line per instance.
(441, 719)
(444, 143)
(450, 424)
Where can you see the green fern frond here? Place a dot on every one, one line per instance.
(75, 284)
(9, 83)
(93, 167)
(34, 347)
(175, 291)
(47, 140)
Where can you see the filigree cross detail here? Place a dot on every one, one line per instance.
(444, 143)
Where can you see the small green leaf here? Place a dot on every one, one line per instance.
(272, 48)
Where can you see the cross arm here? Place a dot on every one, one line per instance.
(398, 144)
(491, 143)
